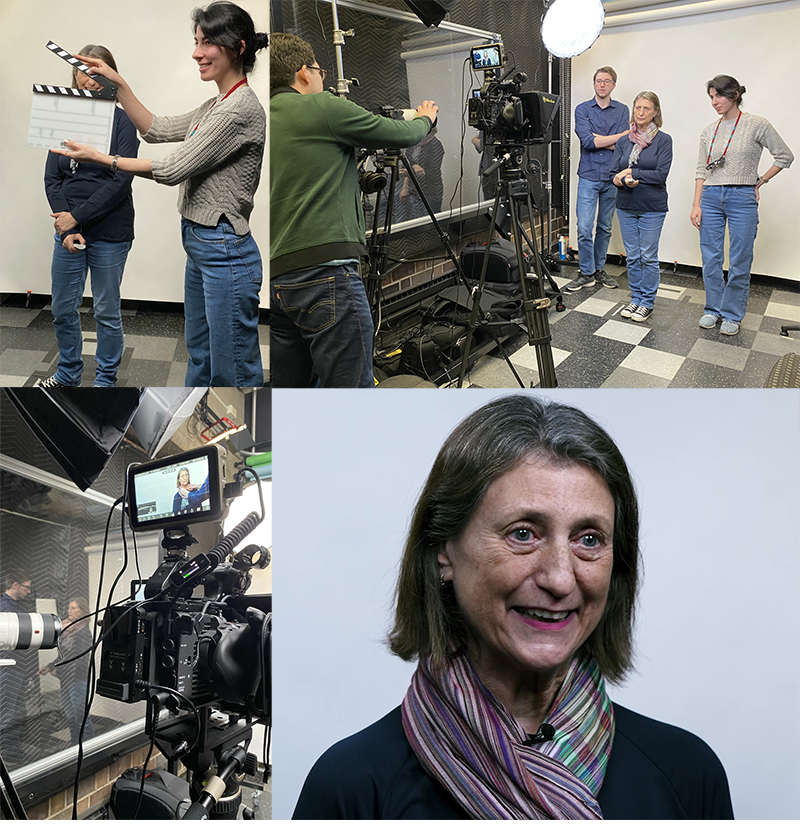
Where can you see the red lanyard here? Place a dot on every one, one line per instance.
(238, 84)
(713, 139)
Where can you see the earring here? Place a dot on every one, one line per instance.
(441, 577)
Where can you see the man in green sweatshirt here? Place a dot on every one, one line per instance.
(320, 323)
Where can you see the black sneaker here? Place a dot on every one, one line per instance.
(641, 313)
(580, 282)
(629, 310)
(51, 382)
(608, 282)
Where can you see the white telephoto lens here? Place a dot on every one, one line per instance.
(32, 631)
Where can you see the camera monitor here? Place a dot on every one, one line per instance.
(487, 56)
(183, 489)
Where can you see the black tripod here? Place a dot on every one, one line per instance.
(379, 243)
(10, 804)
(513, 187)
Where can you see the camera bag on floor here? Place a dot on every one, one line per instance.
(445, 324)
(166, 796)
(502, 268)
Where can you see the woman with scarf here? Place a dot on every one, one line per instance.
(516, 596)
(726, 194)
(218, 168)
(639, 170)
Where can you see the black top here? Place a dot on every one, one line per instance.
(655, 771)
(652, 169)
(99, 200)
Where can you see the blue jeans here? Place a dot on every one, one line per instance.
(736, 206)
(320, 328)
(595, 198)
(73, 701)
(640, 234)
(106, 262)
(223, 278)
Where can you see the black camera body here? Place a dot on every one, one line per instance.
(500, 109)
(207, 651)
(507, 115)
(209, 648)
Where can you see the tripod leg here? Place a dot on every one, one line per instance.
(10, 803)
(535, 315)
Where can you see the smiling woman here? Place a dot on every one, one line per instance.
(217, 169)
(516, 597)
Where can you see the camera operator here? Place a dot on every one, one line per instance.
(13, 699)
(320, 323)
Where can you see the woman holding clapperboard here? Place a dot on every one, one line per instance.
(218, 167)
(93, 212)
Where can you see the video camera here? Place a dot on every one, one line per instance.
(499, 108)
(190, 629)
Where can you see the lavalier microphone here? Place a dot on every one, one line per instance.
(546, 732)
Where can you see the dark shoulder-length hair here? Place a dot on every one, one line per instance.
(487, 444)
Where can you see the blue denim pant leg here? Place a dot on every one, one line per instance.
(596, 200)
(320, 328)
(105, 263)
(641, 233)
(221, 286)
(73, 702)
(737, 207)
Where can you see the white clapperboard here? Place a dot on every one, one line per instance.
(66, 113)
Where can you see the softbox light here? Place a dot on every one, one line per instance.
(570, 27)
(162, 411)
(431, 12)
(80, 428)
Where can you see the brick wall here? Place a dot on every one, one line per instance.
(423, 270)
(94, 790)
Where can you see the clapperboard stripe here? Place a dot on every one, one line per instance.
(71, 91)
(65, 91)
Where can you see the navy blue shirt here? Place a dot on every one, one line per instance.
(650, 194)
(655, 771)
(591, 119)
(101, 202)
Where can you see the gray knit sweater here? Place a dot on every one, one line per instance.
(752, 136)
(219, 166)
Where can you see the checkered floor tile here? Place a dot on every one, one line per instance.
(594, 347)
(155, 351)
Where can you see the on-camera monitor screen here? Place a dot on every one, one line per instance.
(175, 491)
(486, 57)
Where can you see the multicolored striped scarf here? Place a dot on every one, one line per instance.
(470, 743)
(641, 140)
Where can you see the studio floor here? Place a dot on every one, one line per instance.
(155, 351)
(594, 347)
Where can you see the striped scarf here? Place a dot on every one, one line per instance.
(470, 743)
(641, 140)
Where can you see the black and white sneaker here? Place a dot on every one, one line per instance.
(641, 313)
(51, 382)
(629, 310)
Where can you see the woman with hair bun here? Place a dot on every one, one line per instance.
(218, 168)
(726, 192)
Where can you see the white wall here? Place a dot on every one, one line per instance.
(151, 41)
(675, 58)
(717, 637)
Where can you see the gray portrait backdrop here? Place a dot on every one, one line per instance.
(717, 635)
